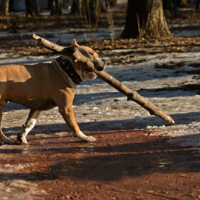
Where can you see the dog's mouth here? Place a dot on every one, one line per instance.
(99, 64)
(90, 72)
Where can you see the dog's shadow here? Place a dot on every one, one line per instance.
(134, 123)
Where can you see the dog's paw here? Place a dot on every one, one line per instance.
(84, 137)
(89, 139)
(21, 139)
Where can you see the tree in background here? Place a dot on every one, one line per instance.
(111, 2)
(89, 9)
(145, 19)
(56, 7)
(32, 8)
(182, 3)
(171, 5)
(76, 6)
(197, 4)
(5, 7)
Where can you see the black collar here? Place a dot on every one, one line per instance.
(66, 65)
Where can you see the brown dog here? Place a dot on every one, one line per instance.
(44, 86)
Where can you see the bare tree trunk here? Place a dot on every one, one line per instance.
(182, 3)
(171, 5)
(175, 8)
(111, 2)
(89, 9)
(131, 95)
(145, 19)
(167, 5)
(5, 7)
(102, 7)
(197, 4)
(56, 7)
(32, 8)
(75, 6)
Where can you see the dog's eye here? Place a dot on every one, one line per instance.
(91, 53)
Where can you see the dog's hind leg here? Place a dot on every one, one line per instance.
(28, 126)
(2, 136)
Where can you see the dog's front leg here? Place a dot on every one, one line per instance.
(28, 126)
(68, 115)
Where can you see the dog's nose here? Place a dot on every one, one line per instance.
(103, 61)
(100, 64)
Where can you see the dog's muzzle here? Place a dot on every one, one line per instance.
(99, 64)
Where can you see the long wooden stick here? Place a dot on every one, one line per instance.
(48, 44)
(74, 53)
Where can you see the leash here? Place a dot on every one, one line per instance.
(66, 65)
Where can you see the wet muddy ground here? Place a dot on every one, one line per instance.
(123, 164)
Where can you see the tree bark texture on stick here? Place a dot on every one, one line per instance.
(145, 19)
(75, 54)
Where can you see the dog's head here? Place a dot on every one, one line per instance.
(99, 64)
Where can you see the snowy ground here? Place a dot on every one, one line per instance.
(98, 105)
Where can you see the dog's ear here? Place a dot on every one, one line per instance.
(74, 43)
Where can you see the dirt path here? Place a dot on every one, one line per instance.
(123, 164)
